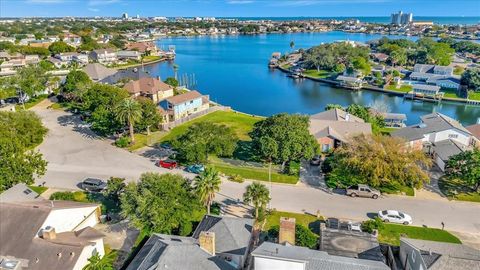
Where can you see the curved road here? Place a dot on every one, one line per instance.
(74, 153)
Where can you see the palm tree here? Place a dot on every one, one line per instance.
(130, 111)
(206, 184)
(175, 70)
(292, 44)
(100, 263)
(258, 195)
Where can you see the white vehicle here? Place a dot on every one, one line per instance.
(395, 217)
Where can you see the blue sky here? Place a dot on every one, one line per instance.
(237, 8)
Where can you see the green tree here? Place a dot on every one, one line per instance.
(171, 81)
(304, 237)
(289, 135)
(258, 196)
(60, 47)
(30, 81)
(20, 132)
(206, 184)
(398, 57)
(115, 187)
(129, 111)
(379, 161)
(333, 106)
(204, 138)
(465, 167)
(471, 78)
(363, 65)
(74, 79)
(161, 203)
(150, 115)
(101, 263)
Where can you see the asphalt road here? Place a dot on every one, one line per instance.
(74, 153)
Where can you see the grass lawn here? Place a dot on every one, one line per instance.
(150, 58)
(387, 130)
(404, 88)
(141, 139)
(317, 74)
(455, 190)
(250, 172)
(390, 234)
(241, 123)
(38, 189)
(309, 221)
(450, 93)
(32, 102)
(286, 66)
(474, 95)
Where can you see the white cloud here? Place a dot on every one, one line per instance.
(102, 2)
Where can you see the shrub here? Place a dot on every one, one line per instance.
(122, 142)
(304, 237)
(63, 196)
(236, 178)
(293, 168)
(372, 224)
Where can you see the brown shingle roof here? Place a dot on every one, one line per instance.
(146, 85)
(475, 130)
(190, 95)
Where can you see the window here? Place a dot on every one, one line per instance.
(191, 101)
(453, 136)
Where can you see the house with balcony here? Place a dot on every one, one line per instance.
(151, 88)
(104, 56)
(40, 234)
(183, 105)
(129, 55)
(439, 136)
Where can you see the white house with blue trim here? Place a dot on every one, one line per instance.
(183, 105)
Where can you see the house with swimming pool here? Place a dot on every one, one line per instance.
(181, 106)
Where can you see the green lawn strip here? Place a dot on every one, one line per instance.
(474, 95)
(450, 93)
(254, 173)
(404, 88)
(32, 102)
(241, 123)
(455, 190)
(317, 74)
(390, 234)
(387, 130)
(38, 190)
(142, 140)
(150, 58)
(309, 221)
(286, 66)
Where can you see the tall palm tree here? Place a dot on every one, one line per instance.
(100, 263)
(206, 184)
(258, 195)
(130, 111)
(175, 70)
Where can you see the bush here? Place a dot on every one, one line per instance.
(304, 237)
(63, 196)
(293, 168)
(372, 224)
(236, 178)
(122, 142)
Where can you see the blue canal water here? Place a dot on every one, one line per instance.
(380, 19)
(233, 71)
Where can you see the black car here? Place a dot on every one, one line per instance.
(93, 184)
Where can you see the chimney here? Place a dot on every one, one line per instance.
(287, 231)
(207, 242)
(49, 233)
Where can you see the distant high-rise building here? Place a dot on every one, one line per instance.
(401, 18)
(125, 16)
(138, 16)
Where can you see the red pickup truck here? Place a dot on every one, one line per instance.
(168, 163)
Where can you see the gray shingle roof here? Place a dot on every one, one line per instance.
(446, 256)
(431, 123)
(98, 72)
(314, 259)
(175, 253)
(232, 235)
(19, 193)
(447, 148)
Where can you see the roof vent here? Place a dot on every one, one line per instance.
(422, 125)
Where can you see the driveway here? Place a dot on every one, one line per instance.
(74, 153)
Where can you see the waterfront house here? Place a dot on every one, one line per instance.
(425, 89)
(334, 127)
(98, 72)
(475, 130)
(151, 88)
(144, 48)
(418, 254)
(129, 55)
(349, 82)
(40, 234)
(218, 243)
(104, 55)
(183, 105)
(441, 76)
(438, 135)
(287, 257)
